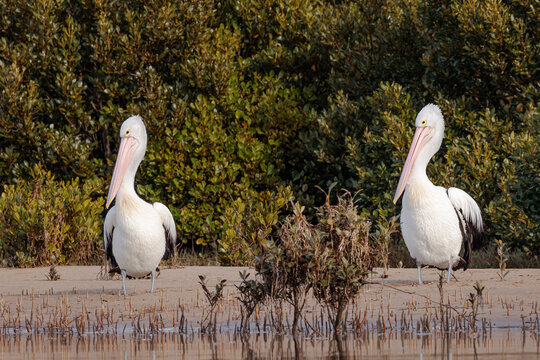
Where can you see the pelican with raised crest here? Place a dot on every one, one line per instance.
(435, 221)
(137, 235)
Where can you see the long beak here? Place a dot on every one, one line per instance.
(416, 146)
(125, 153)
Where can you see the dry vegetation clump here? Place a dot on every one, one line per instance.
(53, 274)
(383, 237)
(209, 323)
(502, 258)
(285, 268)
(251, 294)
(344, 257)
(332, 258)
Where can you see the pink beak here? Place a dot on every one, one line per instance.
(125, 153)
(416, 146)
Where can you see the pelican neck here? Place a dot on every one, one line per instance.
(127, 188)
(418, 172)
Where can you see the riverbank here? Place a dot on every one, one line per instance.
(80, 302)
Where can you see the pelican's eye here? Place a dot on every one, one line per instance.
(128, 132)
(423, 123)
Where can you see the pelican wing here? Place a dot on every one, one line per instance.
(470, 218)
(108, 230)
(170, 229)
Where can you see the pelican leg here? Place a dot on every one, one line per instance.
(419, 266)
(152, 283)
(449, 272)
(123, 273)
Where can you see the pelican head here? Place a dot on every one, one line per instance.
(130, 154)
(426, 142)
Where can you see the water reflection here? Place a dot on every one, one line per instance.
(516, 345)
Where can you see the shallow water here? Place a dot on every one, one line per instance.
(505, 345)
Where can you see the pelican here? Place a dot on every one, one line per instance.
(434, 220)
(137, 234)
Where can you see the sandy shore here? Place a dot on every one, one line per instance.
(28, 297)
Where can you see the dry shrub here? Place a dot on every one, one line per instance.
(251, 293)
(343, 258)
(382, 237)
(285, 269)
(332, 257)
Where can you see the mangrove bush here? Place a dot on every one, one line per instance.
(249, 104)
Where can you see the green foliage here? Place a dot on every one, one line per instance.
(484, 50)
(46, 221)
(250, 103)
(247, 227)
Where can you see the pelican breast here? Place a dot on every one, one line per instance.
(429, 224)
(138, 238)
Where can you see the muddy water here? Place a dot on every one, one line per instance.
(507, 345)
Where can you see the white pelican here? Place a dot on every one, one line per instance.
(435, 220)
(137, 234)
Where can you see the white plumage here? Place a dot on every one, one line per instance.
(429, 225)
(137, 235)
(435, 221)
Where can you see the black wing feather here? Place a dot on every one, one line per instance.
(472, 236)
(169, 244)
(108, 250)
